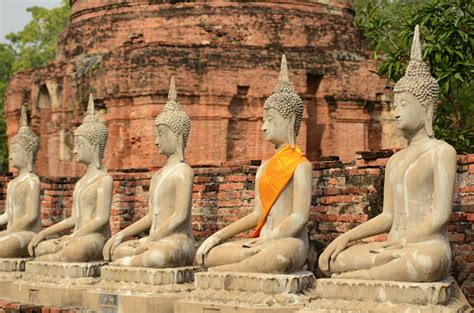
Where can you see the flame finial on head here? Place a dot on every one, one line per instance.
(91, 105)
(416, 46)
(23, 117)
(172, 92)
(284, 71)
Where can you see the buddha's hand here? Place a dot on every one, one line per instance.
(142, 248)
(206, 246)
(110, 246)
(332, 251)
(388, 251)
(34, 243)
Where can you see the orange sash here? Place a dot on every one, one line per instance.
(278, 173)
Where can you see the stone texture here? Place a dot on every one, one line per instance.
(295, 283)
(247, 292)
(386, 291)
(126, 289)
(64, 270)
(151, 276)
(350, 295)
(13, 265)
(225, 56)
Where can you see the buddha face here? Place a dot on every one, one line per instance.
(275, 127)
(19, 157)
(409, 113)
(84, 151)
(166, 140)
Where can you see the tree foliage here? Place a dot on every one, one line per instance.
(34, 46)
(447, 34)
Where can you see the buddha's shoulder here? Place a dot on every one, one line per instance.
(445, 148)
(304, 166)
(105, 178)
(30, 179)
(184, 170)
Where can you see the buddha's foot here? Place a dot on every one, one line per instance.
(357, 274)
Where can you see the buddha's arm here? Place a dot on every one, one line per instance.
(60, 227)
(182, 206)
(297, 220)
(103, 203)
(4, 217)
(32, 202)
(444, 180)
(136, 228)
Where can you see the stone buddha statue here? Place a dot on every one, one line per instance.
(23, 195)
(418, 196)
(92, 199)
(170, 242)
(279, 242)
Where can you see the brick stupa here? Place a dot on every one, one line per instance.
(225, 56)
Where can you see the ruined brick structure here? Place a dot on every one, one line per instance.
(344, 195)
(225, 56)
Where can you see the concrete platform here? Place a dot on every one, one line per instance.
(351, 295)
(11, 269)
(55, 284)
(220, 292)
(135, 289)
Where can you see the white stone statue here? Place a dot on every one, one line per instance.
(170, 242)
(22, 212)
(92, 198)
(418, 196)
(282, 199)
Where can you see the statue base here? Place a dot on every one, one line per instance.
(56, 284)
(11, 269)
(353, 295)
(220, 292)
(139, 289)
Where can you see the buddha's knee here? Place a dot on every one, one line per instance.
(424, 267)
(156, 259)
(44, 247)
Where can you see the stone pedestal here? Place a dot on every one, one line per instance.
(220, 292)
(351, 295)
(136, 289)
(55, 284)
(10, 270)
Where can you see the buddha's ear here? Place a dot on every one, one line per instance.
(180, 146)
(291, 129)
(97, 158)
(31, 160)
(429, 120)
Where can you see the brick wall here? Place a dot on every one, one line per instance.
(344, 195)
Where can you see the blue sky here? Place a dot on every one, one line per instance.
(13, 15)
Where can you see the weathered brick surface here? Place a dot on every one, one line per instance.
(344, 195)
(225, 56)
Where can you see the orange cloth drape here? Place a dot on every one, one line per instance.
(278, 173)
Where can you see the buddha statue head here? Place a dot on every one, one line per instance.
(416, 93)
(283, 111)
(25, 144)
(172, 126)
(90, 138)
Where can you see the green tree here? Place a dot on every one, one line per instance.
(34, 46)
(447, 31)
